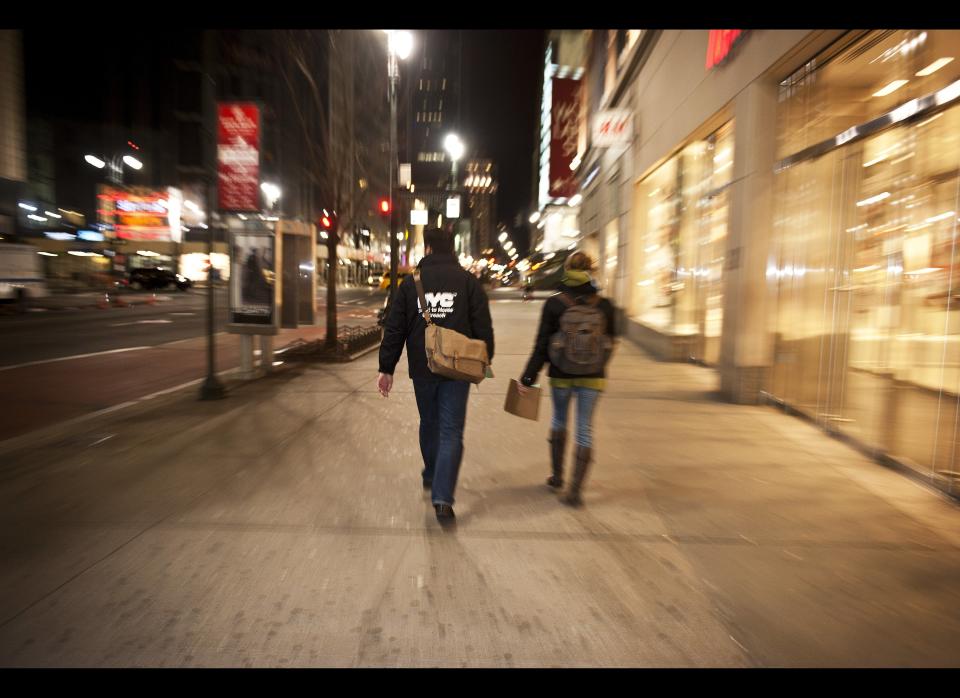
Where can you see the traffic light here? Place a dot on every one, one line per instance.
(326, 222)
(384, 206)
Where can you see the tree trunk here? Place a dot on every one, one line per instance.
(334, 236)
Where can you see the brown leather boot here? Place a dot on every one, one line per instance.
(579, 474)
(558, 442)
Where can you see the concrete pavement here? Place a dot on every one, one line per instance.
(285, 526)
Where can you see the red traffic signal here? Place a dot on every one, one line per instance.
(326, 222)
(384, 206)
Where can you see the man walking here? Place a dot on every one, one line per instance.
(456, 301)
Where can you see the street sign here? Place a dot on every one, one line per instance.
(612, 128)
(405, 175)
(419, 217)
(453, 207)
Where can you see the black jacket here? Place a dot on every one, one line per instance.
(457, 301)
(550, 325)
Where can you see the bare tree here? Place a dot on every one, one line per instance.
(324, 72)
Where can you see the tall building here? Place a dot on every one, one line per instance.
(434, 109)
(561, 143)
(429, 109)
(480, 186)
(13, 142)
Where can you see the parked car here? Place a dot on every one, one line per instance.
(21, 275)
(150, 278)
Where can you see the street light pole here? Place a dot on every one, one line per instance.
(393, 70)
(212, 388)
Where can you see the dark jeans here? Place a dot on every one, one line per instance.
(443, 412)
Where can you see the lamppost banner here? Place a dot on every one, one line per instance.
(238, 156)
(564, 136)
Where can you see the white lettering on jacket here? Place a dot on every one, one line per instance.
(441, 304)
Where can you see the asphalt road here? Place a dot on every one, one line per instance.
(55, 334)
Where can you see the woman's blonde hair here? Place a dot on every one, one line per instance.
(579, 261)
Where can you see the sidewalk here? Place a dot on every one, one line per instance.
(286, 526)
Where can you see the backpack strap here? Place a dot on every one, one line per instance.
(570, 301)
(424, 309)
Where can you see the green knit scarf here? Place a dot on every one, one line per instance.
(573, 277)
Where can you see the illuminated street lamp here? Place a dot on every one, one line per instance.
(271, 192)
(455, 148)
(114, 165)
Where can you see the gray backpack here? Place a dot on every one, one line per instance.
(582, 346)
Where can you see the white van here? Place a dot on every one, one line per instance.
(21, 274)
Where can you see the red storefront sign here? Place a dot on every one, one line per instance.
(238, 156)
(564, 136)
(720, 43)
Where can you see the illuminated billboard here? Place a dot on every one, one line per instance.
(139, 213)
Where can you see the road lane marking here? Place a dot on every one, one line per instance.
(142, 322)
(69, 358)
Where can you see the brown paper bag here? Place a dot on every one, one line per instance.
(526, 406)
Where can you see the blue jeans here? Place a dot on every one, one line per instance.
(443, 413)
(586, 402)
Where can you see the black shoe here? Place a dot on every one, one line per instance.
(444, 513)
(555, 482)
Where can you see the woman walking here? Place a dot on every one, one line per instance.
(576, 334)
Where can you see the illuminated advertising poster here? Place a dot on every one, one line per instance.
(252, 279)
(564, 136)
(238, 156)
(136, 213)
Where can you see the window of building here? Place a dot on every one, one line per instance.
(864, 261)
(677, 264)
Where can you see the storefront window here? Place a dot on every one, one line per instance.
(864, 267)
(883, 70)
(677, 264)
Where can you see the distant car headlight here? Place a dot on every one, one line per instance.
(181, 278)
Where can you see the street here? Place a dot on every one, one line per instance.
(64, 364)
(55, 334)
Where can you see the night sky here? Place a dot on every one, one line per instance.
(500, 112)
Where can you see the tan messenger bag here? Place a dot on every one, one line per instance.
(449, 353)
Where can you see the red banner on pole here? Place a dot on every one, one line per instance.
(564, 136)
(238, 156)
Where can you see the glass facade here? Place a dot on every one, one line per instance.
(681, 214)
(864, 257)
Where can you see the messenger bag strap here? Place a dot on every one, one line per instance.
(425, 310)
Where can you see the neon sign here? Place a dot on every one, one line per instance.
(720, 45)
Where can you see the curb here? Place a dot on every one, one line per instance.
(145, 403)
